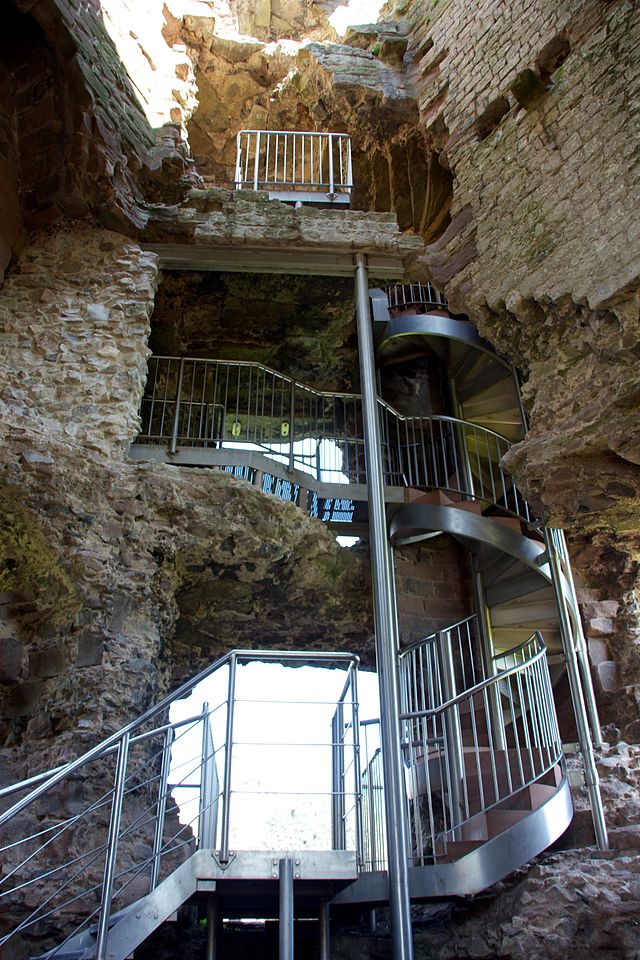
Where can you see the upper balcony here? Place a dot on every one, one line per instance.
(295, 166)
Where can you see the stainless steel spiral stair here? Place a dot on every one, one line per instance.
(93, 856)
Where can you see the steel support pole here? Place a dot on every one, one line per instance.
(102, 935)
(486, 638)
(228, 756)
(325, 932)
(386, 631)
(577, 697)
(285, 927)
(212, 929)
(581, 644)
(161, 807)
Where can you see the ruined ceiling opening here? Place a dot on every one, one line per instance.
(284, 81)
(301, 326)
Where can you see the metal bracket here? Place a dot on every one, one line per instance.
(223, 864)
(275, 869)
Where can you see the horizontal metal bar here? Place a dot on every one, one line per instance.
(243, 656)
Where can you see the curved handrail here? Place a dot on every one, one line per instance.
(333, 394)
(432, 637)
(419, 293)
(482, 685)
(231, 405)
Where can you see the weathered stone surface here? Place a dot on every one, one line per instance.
(74, 321)
(121, 579)
(547, 260)
(243, 217)
(567, 906)
(301, 325)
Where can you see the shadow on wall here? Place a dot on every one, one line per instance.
(408, 179)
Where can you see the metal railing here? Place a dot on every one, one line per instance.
(93, 835)
(298, 165)
(463, 756)
(402, 296)
(374, 837)
(247, 407)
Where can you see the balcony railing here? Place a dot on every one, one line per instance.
(301, 167)
(405, 296)
(237, 411)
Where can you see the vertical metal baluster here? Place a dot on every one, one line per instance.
(546, 713)
(460, 476)
(476, 751)
(491, 439)
(284, 159)
(514, 727)
(256, 162)
(206, 820)
(535, 707)
(228, 756)
(226, 399)
(492, 751)
(525, 721)
(246, 161)
(453, 730)
(161, 806)
(111, 853)
(357, 775)
(266, 162)
(478, 463)
(176, 411)
(332, 191)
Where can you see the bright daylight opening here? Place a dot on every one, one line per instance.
(283, 760)
(321, 457)
(354, 12)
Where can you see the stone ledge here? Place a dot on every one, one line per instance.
(228, 218)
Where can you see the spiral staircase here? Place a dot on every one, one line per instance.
(485, 781)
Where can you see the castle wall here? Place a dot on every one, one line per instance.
(121, 579)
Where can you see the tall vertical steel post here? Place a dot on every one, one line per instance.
(386, 630)
(577, 696)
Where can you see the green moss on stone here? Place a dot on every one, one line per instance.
(29, 565)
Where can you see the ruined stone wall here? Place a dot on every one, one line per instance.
(536, 108)
(120, 579)
(96, 99)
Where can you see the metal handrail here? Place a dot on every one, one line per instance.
(46, 774)
(400, 296)
(110, 744)
(234, 405)
(432, 637)
(138, 800)
(289, 162)
(483, 684)
(455, 773)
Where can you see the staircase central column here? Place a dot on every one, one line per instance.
(386, 633)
